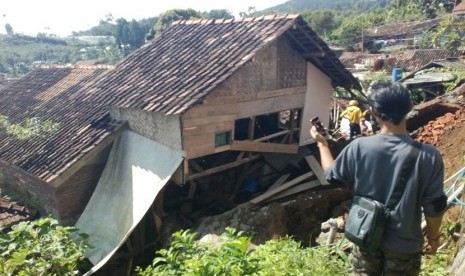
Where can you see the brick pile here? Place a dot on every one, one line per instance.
(432, 131)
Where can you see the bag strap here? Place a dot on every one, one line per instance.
(404, 175)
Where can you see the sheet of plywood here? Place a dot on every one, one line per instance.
(270, 105)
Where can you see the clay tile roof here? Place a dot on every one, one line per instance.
(400, 29)
(52, 93)
(413, 60)
(12, 213)
(460, 8)
(188, 60)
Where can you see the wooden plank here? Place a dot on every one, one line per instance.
(281, 92)
(211, 128)
(199, 140)
(263, 147)
(199, 150)
(196, 166)
(281, 188)
(274, 135)
(229, 99)
(295, 190)
(187, 123)
(222, 167)
(224, 108)
(317, 169)
(280, 181)
(270, 105)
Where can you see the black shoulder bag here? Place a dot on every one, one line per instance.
(367, 217)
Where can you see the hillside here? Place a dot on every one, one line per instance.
(296, 6)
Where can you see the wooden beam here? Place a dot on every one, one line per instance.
(280, 181)
(251, 131)
(263, 147)
(222, 167)
(281, 188)
(274, 135)
(281, 92)
(192, 189)
(295, 190)
(195, 166)
(316, 168)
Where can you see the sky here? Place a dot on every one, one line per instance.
(62, 17)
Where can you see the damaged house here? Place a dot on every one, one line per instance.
(204, 97)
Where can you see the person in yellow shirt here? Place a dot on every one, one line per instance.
(354, 114)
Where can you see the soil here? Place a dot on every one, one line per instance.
(452, 147)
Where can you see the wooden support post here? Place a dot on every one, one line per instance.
(316, 168)
(192, 189)
(251, 131)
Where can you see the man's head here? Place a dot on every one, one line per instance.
(353, 103)
(390, 102)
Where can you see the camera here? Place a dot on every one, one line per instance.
(319, 126)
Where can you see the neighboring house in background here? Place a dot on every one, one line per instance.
(429, 80)
(56, 171)
(405, 33)
(408, 60)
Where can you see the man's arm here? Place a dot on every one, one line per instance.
(432, 233)
(325, 153)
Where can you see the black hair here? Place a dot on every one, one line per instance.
(391, 102)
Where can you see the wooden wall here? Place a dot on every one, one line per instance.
(274, 80)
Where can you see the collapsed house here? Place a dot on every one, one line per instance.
(174, 110)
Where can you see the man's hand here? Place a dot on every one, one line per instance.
(317, 136)
(433, 245)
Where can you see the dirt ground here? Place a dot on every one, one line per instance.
(452, 148)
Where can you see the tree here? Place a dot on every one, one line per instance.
(219, 14)
(322, 22)
(165, 20)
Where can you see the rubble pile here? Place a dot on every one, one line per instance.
(432, 131)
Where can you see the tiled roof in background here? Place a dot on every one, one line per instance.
(349, 59)
(191, 58)
(400, 29)
(460, 8)
(413, 60)
(51, 93)
(12, 213)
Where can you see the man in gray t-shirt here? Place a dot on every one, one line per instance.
(372, 165)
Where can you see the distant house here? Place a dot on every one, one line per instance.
(408, 60)
(406, 33)
(429, 80)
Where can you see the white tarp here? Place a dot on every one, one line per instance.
(137, 169)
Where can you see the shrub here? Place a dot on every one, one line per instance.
(187, 256)
(41, 247)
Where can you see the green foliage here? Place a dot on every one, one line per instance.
(231, 256)
(322, 22)
(31, 127)
(41, 247)
(187, 256)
